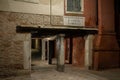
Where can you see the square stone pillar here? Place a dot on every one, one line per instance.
(36, 43)
(47, 50)
(60, 52)
(89, 51)
(43, 49)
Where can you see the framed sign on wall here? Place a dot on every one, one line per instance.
(73, 7)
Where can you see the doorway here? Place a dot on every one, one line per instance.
(42, 53)
(36, 52)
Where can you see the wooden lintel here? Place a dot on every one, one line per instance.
(39, 31)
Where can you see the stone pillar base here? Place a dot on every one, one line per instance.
(106, 52)
(60, 68)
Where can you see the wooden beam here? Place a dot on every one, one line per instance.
(68, 31)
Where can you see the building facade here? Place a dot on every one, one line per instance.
(98, 51)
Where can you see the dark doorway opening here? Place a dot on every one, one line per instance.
(117, 22)
(35, 50)
(69, 50)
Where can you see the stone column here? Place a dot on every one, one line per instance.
(36, 43)
(60, 52)
(88, 51)
(27, 52)
(48, 50)
(68, 50)
(43, 49)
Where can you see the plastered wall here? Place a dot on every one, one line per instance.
(42, 7)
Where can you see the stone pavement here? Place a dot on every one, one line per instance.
(48, 72)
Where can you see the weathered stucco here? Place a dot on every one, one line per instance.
(35, 19)
(90, 13)
(78, 51)
(55, 7)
